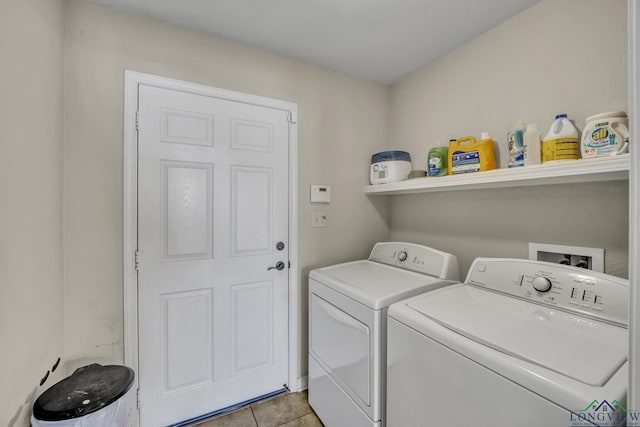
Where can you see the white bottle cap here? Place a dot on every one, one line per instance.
(486, 135)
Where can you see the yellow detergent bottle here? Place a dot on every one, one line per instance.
(468, 155)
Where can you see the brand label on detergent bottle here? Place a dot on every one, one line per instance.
(560, 149)
(600, 138)
(465, 161)
(516, 147)
(435, 165)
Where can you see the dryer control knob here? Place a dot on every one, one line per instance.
(542, 284)
(402, 255)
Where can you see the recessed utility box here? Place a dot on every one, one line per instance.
(589, 258)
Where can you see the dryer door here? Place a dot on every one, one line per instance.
(341, 340)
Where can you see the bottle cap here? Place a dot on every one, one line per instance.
(486, 135)
(559, 116)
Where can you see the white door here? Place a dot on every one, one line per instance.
(212, 208)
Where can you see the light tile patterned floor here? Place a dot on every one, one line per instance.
(287, 410)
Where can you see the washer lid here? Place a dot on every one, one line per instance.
(87, 390)
(585, 350)
(373, 284)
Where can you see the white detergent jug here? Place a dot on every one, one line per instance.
(532, 147)
(605, 134)
(561, 143)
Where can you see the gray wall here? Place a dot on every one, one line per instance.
(341, 121)
(560, 56)
(31, 287)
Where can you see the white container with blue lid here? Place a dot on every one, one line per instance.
(390, 166)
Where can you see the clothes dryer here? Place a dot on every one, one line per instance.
(520, 343)
(348, 322)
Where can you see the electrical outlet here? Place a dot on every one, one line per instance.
(319, 219)
(589, 258)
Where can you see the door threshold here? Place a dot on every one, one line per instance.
(232, 408)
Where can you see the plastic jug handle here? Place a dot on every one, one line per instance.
(624, 133)
(465, 140)
(624, 147)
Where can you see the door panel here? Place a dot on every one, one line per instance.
(184, 127)
(187, 311)
(187, 210)
(252, 326)
(212, 203)
(250, 135)
(251, 217)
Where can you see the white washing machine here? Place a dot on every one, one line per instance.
(348, 323)
(520, 343)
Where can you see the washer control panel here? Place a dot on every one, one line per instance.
(598, 295)
(417, 258)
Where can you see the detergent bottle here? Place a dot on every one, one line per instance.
(437, 161)
(515, 139)
(605, 134)
(561, 143)
(532, 145)
(468, 155)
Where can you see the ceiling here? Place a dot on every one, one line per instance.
(378, 40)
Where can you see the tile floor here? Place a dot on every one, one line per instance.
(287, 410)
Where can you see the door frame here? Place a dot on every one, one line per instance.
(132, 80)
(633, 8)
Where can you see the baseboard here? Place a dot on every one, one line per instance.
(302, 383)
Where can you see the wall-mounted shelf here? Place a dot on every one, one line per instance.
(569, 171)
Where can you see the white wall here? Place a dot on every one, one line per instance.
(31, 288)
(341, 121)
(560, 56)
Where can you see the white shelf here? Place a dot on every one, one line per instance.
(568, 171)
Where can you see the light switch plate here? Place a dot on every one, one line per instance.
(320, 194)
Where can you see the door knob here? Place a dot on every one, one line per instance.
(279, 266)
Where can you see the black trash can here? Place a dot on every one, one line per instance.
(94, 395)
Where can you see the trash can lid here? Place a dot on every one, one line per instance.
(87, 390)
